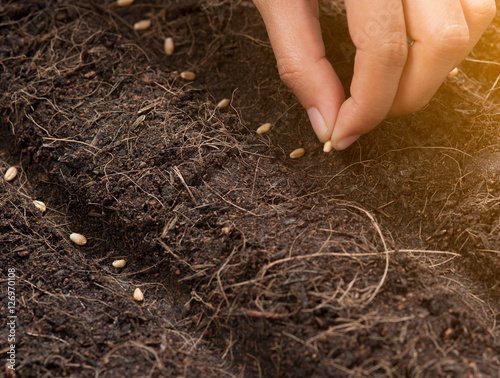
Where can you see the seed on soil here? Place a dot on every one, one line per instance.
(298, 153)
(224, 103)
(40, 206)
(124, 3)
(263, 128)
(454, 72)
(10, 174)
(169, 46)
(138, 296)
(142, 25)
(78, 239)
(188, 75)
(119, 263)
(328, 146)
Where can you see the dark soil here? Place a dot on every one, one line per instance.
(382, 260)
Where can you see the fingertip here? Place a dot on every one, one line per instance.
(295, 35)
(353, 121)
(322, 97)
(345, 142)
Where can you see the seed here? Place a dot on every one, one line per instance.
(142, 25)
(188, 75)
(169, 46)
(124, 3)
(298, 153)
(10, 174)
(454, 72)
(40, 206)
(328, 146)
(263, 128)
(119, 263)
(138, 296)
(78, 239)
(224, 103)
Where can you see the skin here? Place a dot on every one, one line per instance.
(391, 77)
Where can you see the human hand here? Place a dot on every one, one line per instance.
(390, 77)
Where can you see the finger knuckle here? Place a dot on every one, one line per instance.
(394, 50)
(482, 11)
(292, 72)
(454, 37)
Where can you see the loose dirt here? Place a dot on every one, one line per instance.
(382, 260)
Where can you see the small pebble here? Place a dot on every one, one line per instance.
(224, 103)
(40, 206)
(169, 46)
(263, 128)
(138, 296)
(119, 263)
(328, 146)
(78, 239)
(10, 174)
(124, 3)
(142, 25)
(454, 72)
(188, 75)
(298, 153)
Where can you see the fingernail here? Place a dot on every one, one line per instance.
(346, 142)
(318, 123)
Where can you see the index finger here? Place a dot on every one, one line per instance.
(295, 34)
(378, 30)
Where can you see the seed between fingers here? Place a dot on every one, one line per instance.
(328, 146)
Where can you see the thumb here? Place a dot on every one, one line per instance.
(295, 35)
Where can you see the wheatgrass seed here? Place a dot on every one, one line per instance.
(78, 239)
(119, 263)
(142, 25)
(263, 128)
(188, 75)
(327, 147)
(10, 174)
(40, 206)
(298, 153)
(138, 296)
(224, 103)
(169, 46)
(124, 3)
